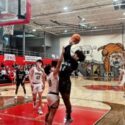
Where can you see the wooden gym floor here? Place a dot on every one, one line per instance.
(94, 102)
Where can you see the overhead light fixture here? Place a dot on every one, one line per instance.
(80, 18)
(82, 24)
(115, 0)
(48, 27)
(83, 19)
(95, 27)
(27, 35)
(124, 13)
(34, 30)
(119, 4)
(65, 31)
(65, 8)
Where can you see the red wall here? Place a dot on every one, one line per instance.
(21, 61)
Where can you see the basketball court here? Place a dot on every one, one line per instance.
(32, 30)
(21, 111)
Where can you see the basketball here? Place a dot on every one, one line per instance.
(76, 38)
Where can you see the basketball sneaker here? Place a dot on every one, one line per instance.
(68, 120)
(15, 97)
(25, 96)
(40, 111)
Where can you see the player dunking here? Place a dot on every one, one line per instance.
(37, 80)
(53, 93)
(70, 65)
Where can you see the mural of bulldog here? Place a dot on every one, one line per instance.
(112, 55)
(117, 59)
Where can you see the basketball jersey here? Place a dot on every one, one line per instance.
(37, 75)
(53, 83)
(20, 74)
(69, 65)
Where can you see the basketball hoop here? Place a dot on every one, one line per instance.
(14, 12)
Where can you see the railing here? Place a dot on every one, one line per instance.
(28, 53)
(20, 52)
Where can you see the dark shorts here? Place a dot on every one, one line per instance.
(64, 85)
(18, 83)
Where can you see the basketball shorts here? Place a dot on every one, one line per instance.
(19, 82)
(36, 88)
(122, 81)
(52, 99)
(64, 85)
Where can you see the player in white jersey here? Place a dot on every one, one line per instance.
(53, 92)
(122, 76)
(37, 80)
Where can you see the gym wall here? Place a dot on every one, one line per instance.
(95, 42)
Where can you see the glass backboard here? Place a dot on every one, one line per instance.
(14, 12)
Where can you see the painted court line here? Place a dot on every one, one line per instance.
(16, 116)
(26, 118)
(101, 117)
(26, 115)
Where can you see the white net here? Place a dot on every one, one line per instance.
(8, 30)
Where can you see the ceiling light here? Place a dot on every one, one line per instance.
(80, 18)
(48, 27)
(115, 0)
(65, 31)
(83, 19)
(95, 27)
(124, 13)
(27, 35)
(34, 30)
(82, 24)
(65, 8)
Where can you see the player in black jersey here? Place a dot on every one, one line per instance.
(20, 80)
(70, 65)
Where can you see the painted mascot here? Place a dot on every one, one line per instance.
(113, 55)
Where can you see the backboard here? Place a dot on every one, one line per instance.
(14, 12)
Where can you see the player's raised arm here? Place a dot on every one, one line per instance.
(59, 63)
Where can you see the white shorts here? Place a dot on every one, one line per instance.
(122, 82)
(51, 99)
(37, 88)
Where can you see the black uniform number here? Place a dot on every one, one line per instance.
(50, 84)
(38, 77)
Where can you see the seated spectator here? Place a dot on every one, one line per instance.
(3, 73)
(2, 65)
